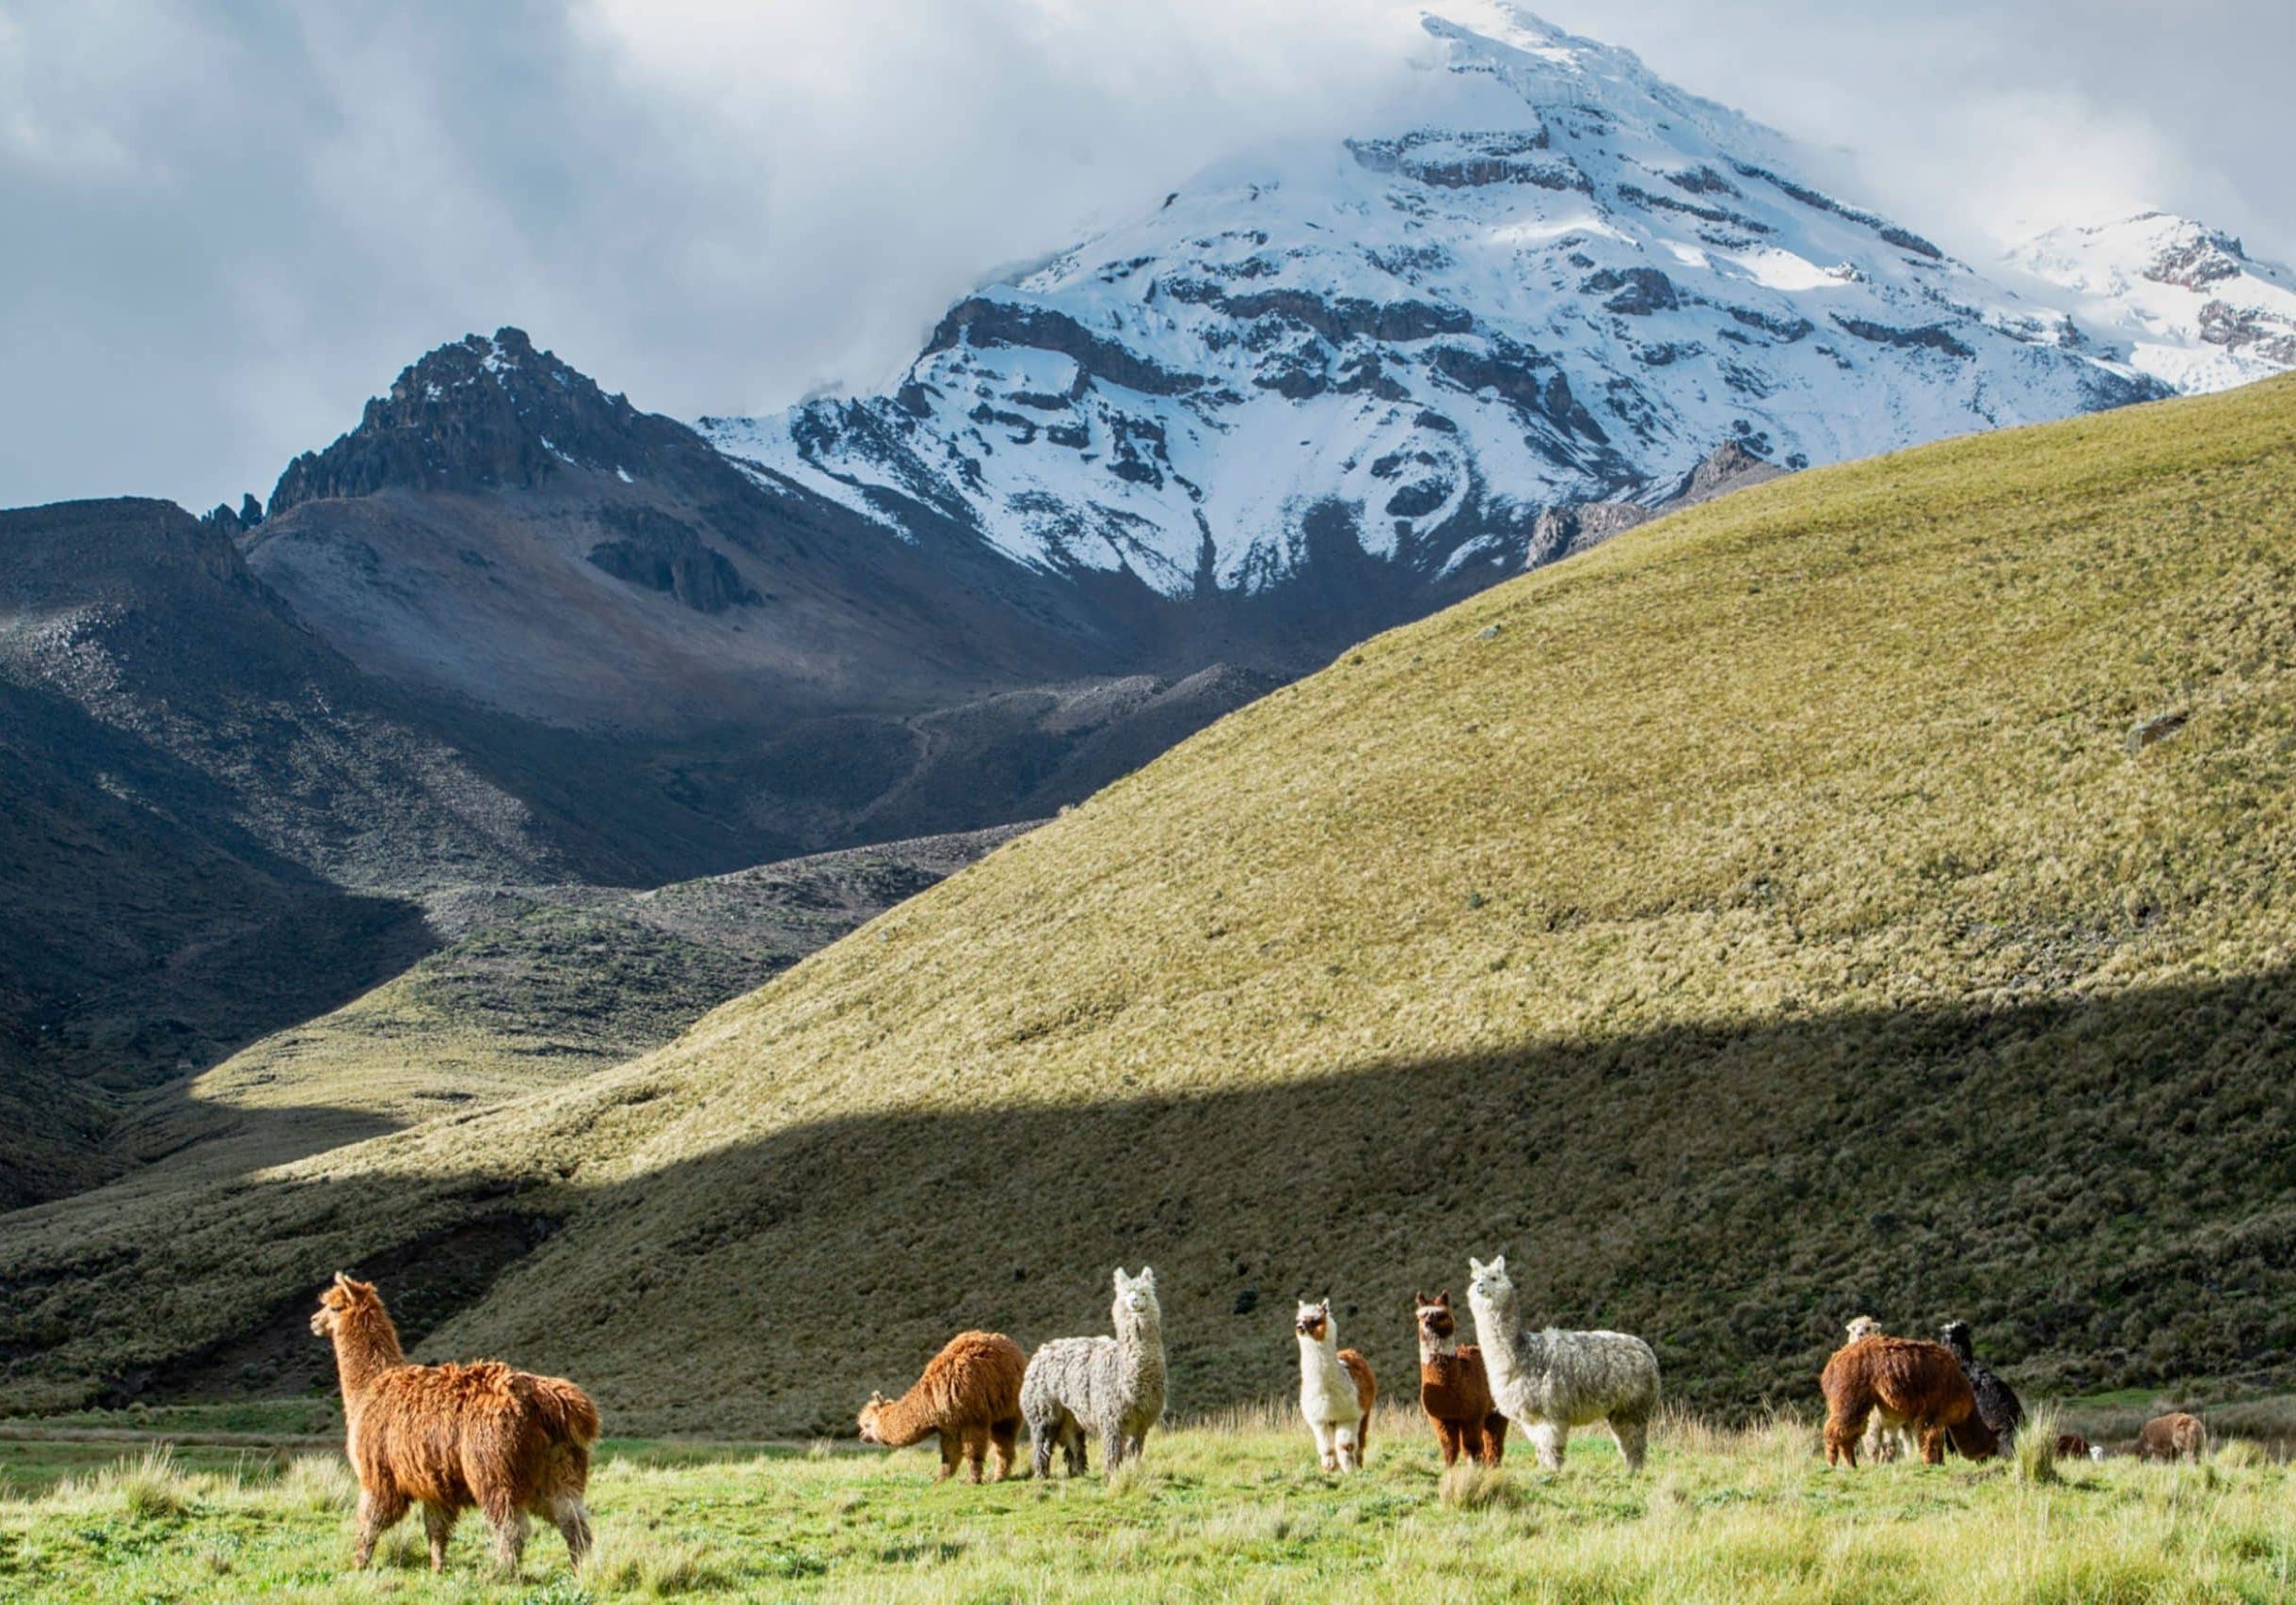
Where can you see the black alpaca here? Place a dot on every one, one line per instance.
(1997, 1402)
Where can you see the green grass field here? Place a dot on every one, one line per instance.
(1230, 1510)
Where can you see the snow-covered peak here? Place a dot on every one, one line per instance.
(2179, 300)
(1545, 277)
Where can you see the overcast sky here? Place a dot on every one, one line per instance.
(224, 224)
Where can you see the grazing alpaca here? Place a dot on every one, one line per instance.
(2072, 1446)
(2173, 1437)
(1910, 1384)
(452, 1437)
(1453, 1389)
(1552, 1381)
(969, 1395)
(1336, 1388)
(1997, 1402)
(1883, 1442)
(1114, 1386)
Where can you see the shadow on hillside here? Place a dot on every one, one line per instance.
(2107, 1188)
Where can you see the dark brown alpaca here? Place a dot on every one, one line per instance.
(969, 1395)
(1454, 1389)
(1911, 1384)
(453, 1437)
(2173, 1437)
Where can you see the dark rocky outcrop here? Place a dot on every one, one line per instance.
(661, 553)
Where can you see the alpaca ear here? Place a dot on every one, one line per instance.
(343, 1279)
(1475, 1267)
(1498, 1266)
(1443, 1298)
(1146, 1277)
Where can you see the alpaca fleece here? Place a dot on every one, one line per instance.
(1551, 1381)
(1883, 1443)
(969, 1395)
(451, 1438)
(1337, 1390)
(1454, 1389)
(1113, 1387)
(1997, 1402)
(2173, 1437)
(1910, 1384)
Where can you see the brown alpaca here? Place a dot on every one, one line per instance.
(453, 1437)
(1911, 1384)
(1454, 1389)
(970, 1395)
(2173, 1437)
(2072, 1446)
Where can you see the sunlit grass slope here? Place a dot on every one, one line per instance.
(1214, 1512)
(1768, 917)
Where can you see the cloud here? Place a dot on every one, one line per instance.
(227, 224)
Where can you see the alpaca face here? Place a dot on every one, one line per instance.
(877, 1402)
(339, 1297)
(1957, 1335)
(1489, 1282)
(1864, 1327)
(1312, 1320)
(1436, 1322)
(1136, 1295)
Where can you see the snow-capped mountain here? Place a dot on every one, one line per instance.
(1552, 279)
(2183, 302)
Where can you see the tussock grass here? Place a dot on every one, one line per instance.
(1773, 921)
(1720, 1513)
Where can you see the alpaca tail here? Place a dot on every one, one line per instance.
(567, 1411)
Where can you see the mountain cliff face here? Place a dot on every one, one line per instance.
(2174, 299)
(1552, 279)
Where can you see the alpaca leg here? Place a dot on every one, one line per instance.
(1112, 1449)
(952, 1449)
(509, 1524)
(573, 1522)
(1450, 1438)
(439, 1525)
(1843, 1428)
(1134, 1444)
(1006, 1436)
(1041, 1436)
(1362, 1440)
(1494, 1440)
(379, 1510)
(1547, 1439)
(1343, 1445)
(976, 1451)
(1327, 1450)
(1633, 1434)
(1932, 1444)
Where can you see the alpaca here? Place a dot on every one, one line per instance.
(1883, 1442)
(1453, 1389)
(1910, 1384)
(2072, 1446)
(452, 1437)
(969, 1396)
(1336, 1388)
(2173, 1437)
(1552, 1381)
(1997, 1402)
(1114, 1386)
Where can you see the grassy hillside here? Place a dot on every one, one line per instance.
(1768, 917)
(1232, 1510)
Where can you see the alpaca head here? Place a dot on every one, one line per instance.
(1864, 1327)
(1489, 1284)
(869, 1412)
(1957, 1335)
(341, 1298)
(1313, 1321)
(1436, 1322)
(1136, 1297)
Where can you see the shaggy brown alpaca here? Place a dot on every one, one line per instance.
(2072, 1446)
(1453, 1387)
(1911, 1384)
(970, 1395)
(453, 1437)
(2173, 1437)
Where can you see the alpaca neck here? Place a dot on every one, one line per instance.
(1140, 1351)
(1320, 1359)
(1432, 1350)
(366, 1344)
(1508, 1351)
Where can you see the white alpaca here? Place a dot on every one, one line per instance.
(1883, 1442)
(1335, 1391)
(1549, 1381)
